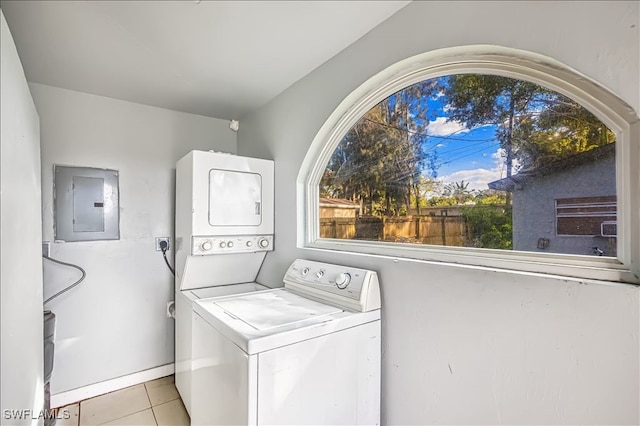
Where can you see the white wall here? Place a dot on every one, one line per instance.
(114, 322)
(20, 227)
(469, 345)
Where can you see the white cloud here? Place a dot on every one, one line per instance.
(484, 126)
(500, 159)
(477, 178)
(441, 127)
(480, 177)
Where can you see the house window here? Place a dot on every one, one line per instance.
(586, 216)
(471, 159)
(467, 160)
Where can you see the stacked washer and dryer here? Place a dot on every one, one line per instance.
(307, 353)
(224, 228)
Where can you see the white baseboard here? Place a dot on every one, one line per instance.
(68, 397)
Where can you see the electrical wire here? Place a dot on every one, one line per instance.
(163, 247)
(64, 290)
(414, 132)
(164, 254)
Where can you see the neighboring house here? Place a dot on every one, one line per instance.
(338, 207)
(566, 206)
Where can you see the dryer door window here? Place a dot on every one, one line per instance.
(235, 198)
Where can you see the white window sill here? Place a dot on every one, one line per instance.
(560, 265)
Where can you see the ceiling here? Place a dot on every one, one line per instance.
(215, 58)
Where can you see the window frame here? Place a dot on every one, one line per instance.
(507, 62)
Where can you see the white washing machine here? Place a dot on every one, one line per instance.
(308, 353)
(224, 229)
(183, 329)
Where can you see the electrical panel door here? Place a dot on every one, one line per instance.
(85, 204)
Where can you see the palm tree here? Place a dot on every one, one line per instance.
(459, 191)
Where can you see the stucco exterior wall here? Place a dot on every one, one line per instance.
(534, 207)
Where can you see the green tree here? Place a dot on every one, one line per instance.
(490, 197)
(535, 124)
(562, 128)
(459, 191)
(489, 226)
(479, 99)
(442, 200)
(380, 162)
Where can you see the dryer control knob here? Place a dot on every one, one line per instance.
(264, 243)
(230, 244)
(304, 272)
(343, 279)
(223, 244)
(206, 246)
(249, 243)
(320, 273)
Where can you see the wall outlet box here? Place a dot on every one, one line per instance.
(159, 239)
(171, 309)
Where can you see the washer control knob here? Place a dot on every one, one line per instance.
(343, 279)
(230, 244)
(249, 243)
(320, 273)
(304, 272)
(264, 243)
(223, 244)
(206, 246)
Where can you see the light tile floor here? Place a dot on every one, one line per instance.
(154, 403)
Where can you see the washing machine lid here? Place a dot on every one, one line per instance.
(261, 321)
(225, 290)
(268, 310)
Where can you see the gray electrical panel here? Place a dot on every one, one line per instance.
(86, 204)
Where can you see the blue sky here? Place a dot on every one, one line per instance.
(465, 154)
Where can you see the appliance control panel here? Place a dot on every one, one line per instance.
(351, 288)
(202, 246)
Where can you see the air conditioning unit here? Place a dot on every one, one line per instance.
(609, 229)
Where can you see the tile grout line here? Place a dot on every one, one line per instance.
(122, 417)
(153, 413)
(166, 402)
(151, 406)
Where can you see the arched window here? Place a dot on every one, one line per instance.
(499, 159)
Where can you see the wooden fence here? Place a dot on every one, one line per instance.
(338, 227)
(435, 230)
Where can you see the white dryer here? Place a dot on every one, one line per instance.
(308, 353)
(224, 228)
